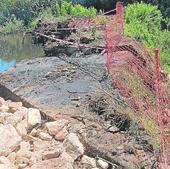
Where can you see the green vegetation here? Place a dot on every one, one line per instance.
(29, 12)
(61, 14)
(143, 22)
(12, 26)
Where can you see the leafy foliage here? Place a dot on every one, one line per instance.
(23, 9)
(80, 11)
(143, 22)
(30, 11)
(77, 10)
(12, 26)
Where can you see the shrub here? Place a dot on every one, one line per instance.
(77, 10)
(58, 10)
(143, 22)
(80, 11)
(46, 15)
(83, 2)
(12, 26)
(66, 8)
(24, 10)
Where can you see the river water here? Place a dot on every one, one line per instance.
(14, 48)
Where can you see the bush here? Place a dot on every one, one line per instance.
(77, 10)
(12, 26)
(84, 2)
(143, 22)
(46, 15)
(24, 10)
(80, 11)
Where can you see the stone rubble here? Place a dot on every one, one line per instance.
(23, 146)
(27, 142)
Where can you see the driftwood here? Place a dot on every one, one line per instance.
(73, 44)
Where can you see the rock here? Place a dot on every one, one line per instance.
(21, 113)
(4, 108)
(68, 161)
(34, 132)
(88, 160)
(3, 117)
(24, 145)
(34, 117)
(12, 119)
(14, 106)
(24, 154)
(61, 135)
(102, 164)
(22, 128)
(4, 160)
(2, 101)
(22, 160)
(34, 158)
(24, 150)
(40, 145)
(56, 126)
(22, 166)
(120, 148)
(9, 139)
(51, 154)
(12, 157)
(2, 166)
(73, 146)
(44, 136)
(55, 163)
(29, 138)
(113, 129)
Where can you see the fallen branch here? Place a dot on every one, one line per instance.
(113, 10)
(73, 44)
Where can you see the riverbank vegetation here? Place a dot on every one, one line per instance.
(144, 23)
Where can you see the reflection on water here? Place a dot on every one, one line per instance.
(14, 48)
(5, 65)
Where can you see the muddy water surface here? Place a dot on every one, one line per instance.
(17, 47)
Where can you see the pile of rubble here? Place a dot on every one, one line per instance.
(26, 141)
